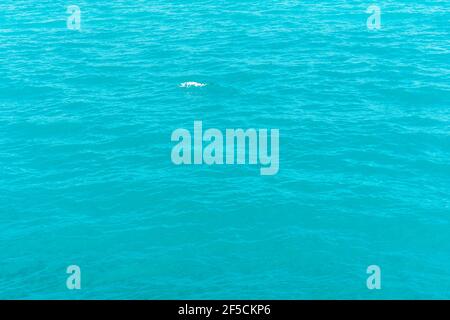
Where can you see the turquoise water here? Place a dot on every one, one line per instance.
(87, 178)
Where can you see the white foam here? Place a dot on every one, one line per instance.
(192, 84)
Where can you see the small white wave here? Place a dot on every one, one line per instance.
(192, 84)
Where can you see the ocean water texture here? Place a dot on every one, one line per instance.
(86, 176)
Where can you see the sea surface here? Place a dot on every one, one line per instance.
(86, 176)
